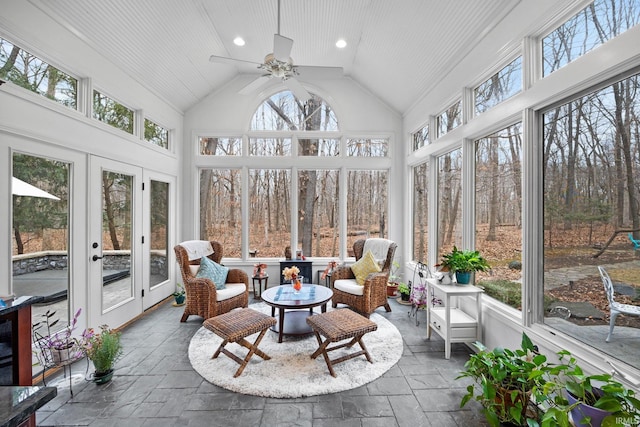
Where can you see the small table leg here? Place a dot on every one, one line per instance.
(280, 323)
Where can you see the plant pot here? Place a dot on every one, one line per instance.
(404, 297)
(180, 299)
(102, 377)
(583, 410)
(63, 355)
(463, 277)
(392, 288)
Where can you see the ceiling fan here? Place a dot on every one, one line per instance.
(278, 64)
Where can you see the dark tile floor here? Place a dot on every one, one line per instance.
(154, 385)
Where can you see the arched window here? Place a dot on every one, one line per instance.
(283, 111)
(294, 159)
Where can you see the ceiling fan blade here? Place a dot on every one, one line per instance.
(231, 61)
(282, 47)
(254, 85)
(313, 72)
(297, 89)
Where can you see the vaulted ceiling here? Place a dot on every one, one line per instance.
(398, 50)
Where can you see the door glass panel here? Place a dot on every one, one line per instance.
(40, 225)
(117, 216)
(159, 212)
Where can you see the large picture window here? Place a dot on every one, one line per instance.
(219, 214)
(449, 201)
(498, 213)
(591, 205)
(420, 212)
(367, 205)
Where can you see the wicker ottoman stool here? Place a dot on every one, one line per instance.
(336, 326)
(234, 326)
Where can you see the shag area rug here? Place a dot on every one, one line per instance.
(291, 372)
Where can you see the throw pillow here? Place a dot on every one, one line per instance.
(365, 266)
(213, 271)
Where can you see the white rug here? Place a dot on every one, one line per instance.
(291, 372)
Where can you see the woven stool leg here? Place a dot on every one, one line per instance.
(220, 348)
(252, 350)
(322, 349)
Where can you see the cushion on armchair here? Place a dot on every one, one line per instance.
(213, 271)
(365, 266)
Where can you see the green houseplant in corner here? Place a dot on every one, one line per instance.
(463, 263)
(179, 295)
(505, 381)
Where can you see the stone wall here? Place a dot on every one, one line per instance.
(30, 263)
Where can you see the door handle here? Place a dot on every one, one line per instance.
(96, 257)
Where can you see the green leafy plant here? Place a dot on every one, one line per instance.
(179, 290)
(505, 380)
(463, 261)
(600, 391)
(394, 275)
(404, 289)
(102, 348)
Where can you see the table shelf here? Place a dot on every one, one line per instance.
(451, 322)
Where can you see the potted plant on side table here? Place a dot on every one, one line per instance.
(463, 263)
(103, 349)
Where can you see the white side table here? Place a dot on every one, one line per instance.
(451, 322)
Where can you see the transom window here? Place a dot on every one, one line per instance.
(450, 119)
(502, 85)
(30, 72)
(112, 113)
(600, 21)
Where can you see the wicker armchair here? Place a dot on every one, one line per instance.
(202, 297)
(364, 299)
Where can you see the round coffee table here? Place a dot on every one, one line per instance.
(295, 321)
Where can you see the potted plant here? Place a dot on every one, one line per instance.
(591, 400)
(463, 263)
(103, 349)
(393, 281)
(405, 291)
(56, 347)
(505, 381)
(179, 295)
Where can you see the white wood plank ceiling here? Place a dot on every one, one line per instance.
(397, 49)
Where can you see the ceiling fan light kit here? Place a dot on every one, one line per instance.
(279, 64)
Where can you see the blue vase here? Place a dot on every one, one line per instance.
(463, 277)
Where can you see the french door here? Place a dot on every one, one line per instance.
(132, 213)
(115, 252)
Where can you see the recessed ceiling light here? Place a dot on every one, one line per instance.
(238, 41)
(341, 43)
